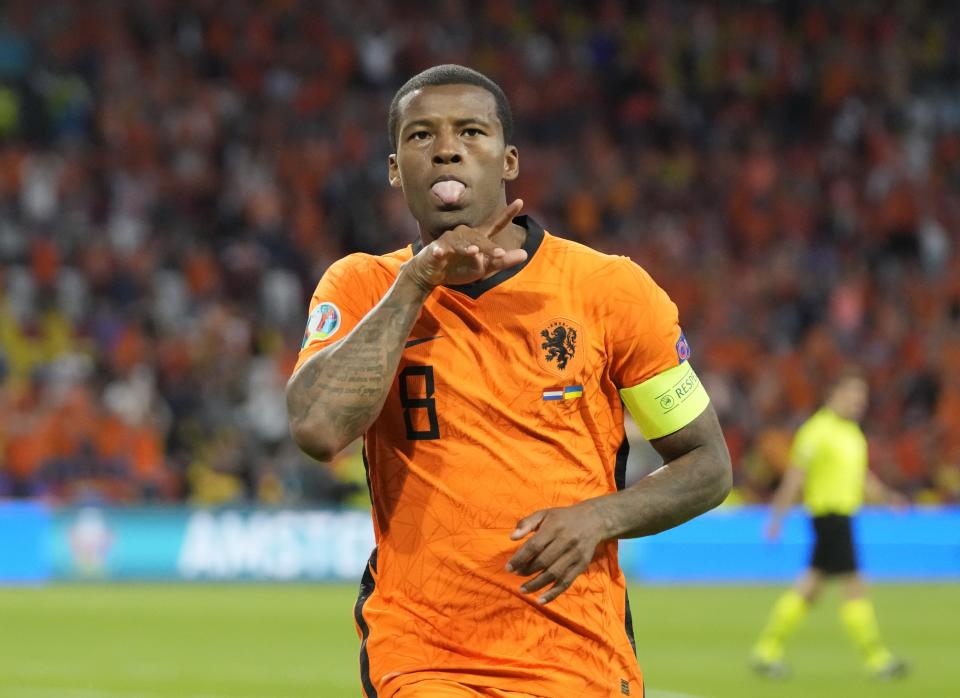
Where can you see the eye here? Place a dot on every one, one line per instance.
(419, 135)
(472, 132)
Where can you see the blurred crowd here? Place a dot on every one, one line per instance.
(175, 175)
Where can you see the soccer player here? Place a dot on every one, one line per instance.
(486, 366)
(829, 463)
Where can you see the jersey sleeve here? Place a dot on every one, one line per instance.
(803, 451)
(649, 355)
(338, 303)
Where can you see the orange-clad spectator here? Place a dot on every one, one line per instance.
(28, 446)
(202, 272)
(148, 463)
(129, 349)
(44, 262)
(73, 423)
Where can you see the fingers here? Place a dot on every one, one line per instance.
(447, 249)
(485, 259)
(513, 258)
(532, 548)
(564, 583)
(465, 242)
(528, 524)
(560, 561)
(561, 574)
(503, 220)
(538, 553)
(552, 570)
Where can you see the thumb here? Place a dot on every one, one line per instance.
(528, 525)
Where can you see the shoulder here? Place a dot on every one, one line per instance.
(364, 262)
(367, 265)
(814, 427)
(587, 261)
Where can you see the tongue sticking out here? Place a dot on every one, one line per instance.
(449, 192)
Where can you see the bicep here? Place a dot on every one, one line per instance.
(642, 326)
(703, 433)
(794, 477)
(342, 298)
(311, 356)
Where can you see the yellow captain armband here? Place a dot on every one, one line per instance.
(667, 402)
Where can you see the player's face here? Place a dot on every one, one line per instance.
(850, 398)
(451, 160)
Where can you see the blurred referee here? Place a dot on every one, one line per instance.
(829, 462)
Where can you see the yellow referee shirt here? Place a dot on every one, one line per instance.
(833, 452)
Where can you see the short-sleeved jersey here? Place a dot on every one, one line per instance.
(833, 453)
(505, 402)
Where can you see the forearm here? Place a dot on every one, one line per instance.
(682, 489)
(876, 491)
(787, 493)
(338, 393)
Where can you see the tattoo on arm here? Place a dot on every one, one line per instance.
(339, 392)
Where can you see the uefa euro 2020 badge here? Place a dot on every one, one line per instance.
(322, 324)
(683, 348)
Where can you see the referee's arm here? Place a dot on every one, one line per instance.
(876, 491)
(787, 493)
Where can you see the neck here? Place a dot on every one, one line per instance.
(511, 238)
(840, 413)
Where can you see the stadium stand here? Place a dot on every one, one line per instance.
(175, 177)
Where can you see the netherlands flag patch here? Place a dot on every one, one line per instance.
(568, 393)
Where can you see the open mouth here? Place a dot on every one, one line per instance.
(448, 190)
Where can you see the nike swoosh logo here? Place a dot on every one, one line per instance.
(415, 342)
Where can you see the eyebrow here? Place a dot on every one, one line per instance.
(459, 122)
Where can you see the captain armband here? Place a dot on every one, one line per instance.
(667, 402)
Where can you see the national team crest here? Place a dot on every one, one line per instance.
(322, 324)
(560, 346)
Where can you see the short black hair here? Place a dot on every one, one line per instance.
(451, 74)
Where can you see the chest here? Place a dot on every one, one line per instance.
(843, 448)
(518, 364)
(519, 340)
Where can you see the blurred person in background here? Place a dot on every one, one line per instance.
(487, 365)
(829, 464)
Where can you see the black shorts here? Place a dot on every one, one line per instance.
(833, 551)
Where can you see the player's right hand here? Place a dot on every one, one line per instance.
(464, 254)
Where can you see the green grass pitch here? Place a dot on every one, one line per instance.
(147, 641)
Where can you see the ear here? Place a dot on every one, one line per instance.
(511, 163)
(393, 172)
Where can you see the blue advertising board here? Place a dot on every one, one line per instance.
(727, 545)
(24, 530)
(184, 544)
(210, 545)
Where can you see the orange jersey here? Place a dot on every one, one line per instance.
(505, 402)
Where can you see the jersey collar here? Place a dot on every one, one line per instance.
(531, 244)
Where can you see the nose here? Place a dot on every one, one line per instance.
(446, 149)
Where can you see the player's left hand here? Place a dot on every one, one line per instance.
(562, 546)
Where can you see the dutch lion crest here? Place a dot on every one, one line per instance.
(560, 343)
